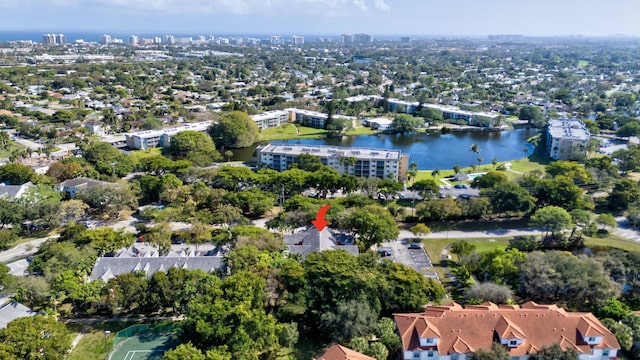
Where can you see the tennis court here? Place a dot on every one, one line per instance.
(143, 342)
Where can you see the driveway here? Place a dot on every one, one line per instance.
(414, 258)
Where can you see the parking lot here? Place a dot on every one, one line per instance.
(414, 258)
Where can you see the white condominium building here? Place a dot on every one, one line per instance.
(361, 162)
(148, 139)
(567, 139)
(271, 119)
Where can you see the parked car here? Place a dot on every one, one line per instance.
(465, 196)
(415, 245)
(461, 186)
(385, 252)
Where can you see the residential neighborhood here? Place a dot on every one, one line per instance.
(189, 194)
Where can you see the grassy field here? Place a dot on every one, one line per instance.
(95, 344)
(517, 166)
(360, 131)
(291, 131)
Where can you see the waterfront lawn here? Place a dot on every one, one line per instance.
(291, 131)
(517, 166)
(361, 131)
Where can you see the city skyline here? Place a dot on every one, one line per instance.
(306, 17)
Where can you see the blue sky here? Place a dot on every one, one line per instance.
(429, 17)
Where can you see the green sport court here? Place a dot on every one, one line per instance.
(143, 347)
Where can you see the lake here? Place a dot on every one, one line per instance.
(433, 150)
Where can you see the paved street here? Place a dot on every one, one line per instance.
(22, 250)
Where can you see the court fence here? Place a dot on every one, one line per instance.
(140, 329)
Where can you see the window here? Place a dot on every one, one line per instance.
(592, 339)
(429, 340)
(416, 355)
(513, 343)
(429, 353)
(605, 352)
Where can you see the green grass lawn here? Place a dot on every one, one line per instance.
(11, 146)
(291, 131)
(361, 131)
(95, 344)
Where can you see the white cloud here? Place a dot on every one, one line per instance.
(237, 7)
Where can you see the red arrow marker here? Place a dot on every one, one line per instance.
(320, 222)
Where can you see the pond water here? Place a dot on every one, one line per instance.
(433, 150)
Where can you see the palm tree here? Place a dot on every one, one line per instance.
(476, 150)
(228, 154)
(435, 173)
(4, 139)
(413, 171)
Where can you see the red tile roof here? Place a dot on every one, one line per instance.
(464, 330)
(338, 352)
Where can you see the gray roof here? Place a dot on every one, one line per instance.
(110, 267)
(312, 240)
(82, 182)
(12, 191)
(12, 311)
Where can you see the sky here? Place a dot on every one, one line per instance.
(326, 17)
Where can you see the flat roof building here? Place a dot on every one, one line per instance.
(361, 162)
(313, 119)
(148, 139)
(271, 119)
(567, 139)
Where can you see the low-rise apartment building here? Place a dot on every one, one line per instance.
(271, 119)
(567, 139)
(148, 139)
(361, 162)
(451, 332)
(312, 119)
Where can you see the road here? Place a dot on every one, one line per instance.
(23, 250)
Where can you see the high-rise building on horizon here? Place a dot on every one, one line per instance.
(169, 40)
(362, 38)
(54, 39)
(346, 38)
(133, 40)
(105, 39)
(298, 40)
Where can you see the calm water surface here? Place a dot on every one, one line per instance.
(434, 150)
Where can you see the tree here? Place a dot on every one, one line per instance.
(406, 289)
(160, 236)
(624, 193)
(571, 170)
(16, 174)
(622, 332)
(475, 149)
(629, 129)
(552, 218)
(194, 146)
(532, 114)
(606, 221)
(427, 188)
(308, 162)
(105, 240)
(462, 248)
(349, 319)
(184, 352)
(228, 154)
(35, 337)
(489, 180)
(11, 213)
(509, 198)
(488, 291)
(406, 123)
(373, 224)
(234, 130)
(554, 352)
(108, 199)
(497, 352)
(413, 171)
(420, 229)
(555, 276)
